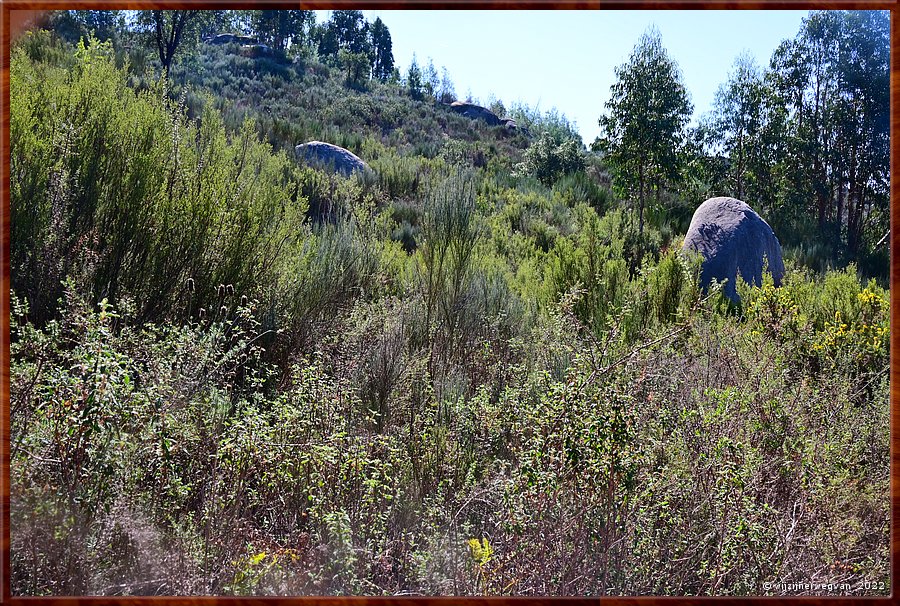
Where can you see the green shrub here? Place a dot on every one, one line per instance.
(135, 198)
(576, 187)
(333, 266)
(449, 233)
(549, 158)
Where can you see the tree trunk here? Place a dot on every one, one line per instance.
(740, 166)
(167, 42)
(854, 218)
(641, 200)
(853, 194)
(857, 228)
(839, 219)
(820, 203)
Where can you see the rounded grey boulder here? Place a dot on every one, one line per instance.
(733, 239)
(476, 112)
(331, 157)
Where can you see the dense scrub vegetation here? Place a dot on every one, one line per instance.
(471, 371)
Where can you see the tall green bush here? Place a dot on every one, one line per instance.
(120, 187)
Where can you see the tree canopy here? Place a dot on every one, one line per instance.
(382, 53)
(644, 126)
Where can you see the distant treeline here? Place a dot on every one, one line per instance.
(346, 35)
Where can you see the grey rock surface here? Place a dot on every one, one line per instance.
(231, 39)
(476, 112)
(256, 51)
(733, 239)
(331, 157)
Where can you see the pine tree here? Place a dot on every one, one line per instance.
(382, 53)
(414, 84)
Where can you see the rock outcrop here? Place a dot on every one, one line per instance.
(476, 112)
(231, 39)
(733, 239)
(331, 157)
(258, 51)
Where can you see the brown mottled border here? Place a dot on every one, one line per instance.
(15, 15)
(4, 304)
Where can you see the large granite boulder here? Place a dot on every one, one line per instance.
(476, 112)
(331, 157)
(733, 240)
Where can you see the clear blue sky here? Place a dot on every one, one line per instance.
(566, 59)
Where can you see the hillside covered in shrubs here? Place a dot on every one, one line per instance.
(482, 366)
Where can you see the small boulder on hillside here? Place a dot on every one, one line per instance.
(258, 51)
(476, 112)
(220, 39)
(331, 157)
(733, 239)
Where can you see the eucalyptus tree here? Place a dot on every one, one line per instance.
(863, 74)
(746, 133)
(736, 123)
(447, 93)
(644, 126)
(282, 28)
(832, 81)
(431, 80)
